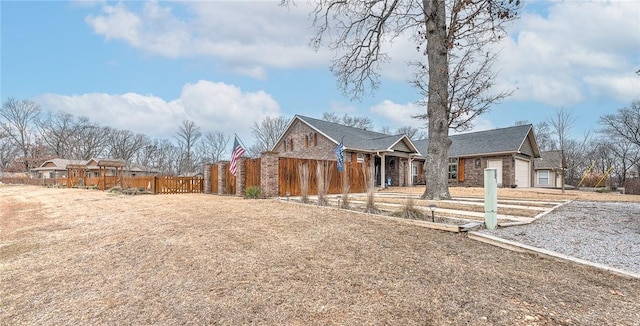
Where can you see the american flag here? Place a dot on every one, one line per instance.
(339, 150)
(237, 153)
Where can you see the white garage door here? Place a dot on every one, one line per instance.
(523, 173)
(496, 164)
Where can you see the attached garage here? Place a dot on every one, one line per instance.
(523, 173)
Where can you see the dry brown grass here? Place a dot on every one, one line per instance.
(87, 257)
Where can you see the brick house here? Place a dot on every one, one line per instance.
(395, 160)
(388, 156)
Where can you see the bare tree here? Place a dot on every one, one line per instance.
(89, 141)
(460, 29)
(347, 120)
(187, 136)
(213, 146)
(412, 132)
(624, 124)
(124, 144)
(57, 129)
(17, 119)
(543, 136)
(561, 125)
(8, 150)
(266, 133)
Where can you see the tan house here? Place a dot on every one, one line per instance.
(59, 168)
(548, 169)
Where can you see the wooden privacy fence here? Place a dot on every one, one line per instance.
(290, 176)
(153, 184)
(252, 173)
(214, 178)
(229, 182)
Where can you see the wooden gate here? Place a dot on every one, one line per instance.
(179, 185)
(229, 182)
(252, 173)
(214, 178)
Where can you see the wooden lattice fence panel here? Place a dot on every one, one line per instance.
(179, 185)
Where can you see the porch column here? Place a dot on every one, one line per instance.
(410, 171)
(383, 167)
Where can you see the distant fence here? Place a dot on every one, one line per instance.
(153, 184)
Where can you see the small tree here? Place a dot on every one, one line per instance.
(561, 125)
(266, 133)
(17, 120)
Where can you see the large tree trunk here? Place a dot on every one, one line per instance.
(436, 165)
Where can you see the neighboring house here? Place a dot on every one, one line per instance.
(55, 168)
(398, 161)
(548, 169)
(59, 168)
(192, 174)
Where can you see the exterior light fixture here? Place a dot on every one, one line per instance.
(432, 208)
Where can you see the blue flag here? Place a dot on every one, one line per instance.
(339, 150)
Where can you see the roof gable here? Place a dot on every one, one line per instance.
(352, 138)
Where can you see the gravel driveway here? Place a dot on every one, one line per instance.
(601, 232)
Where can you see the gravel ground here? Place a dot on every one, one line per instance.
(601, 232)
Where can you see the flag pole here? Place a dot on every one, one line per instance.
(240, 140)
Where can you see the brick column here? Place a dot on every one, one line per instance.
(207, 178)
(222, 168)
(269, 170)
(240, 179)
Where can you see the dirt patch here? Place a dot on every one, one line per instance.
(194, 259)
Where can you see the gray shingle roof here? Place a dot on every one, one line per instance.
(503, 140)
(548, 160)
(353, 138)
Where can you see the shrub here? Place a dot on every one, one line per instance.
(409, 210)
(252, 192)
(370, 206)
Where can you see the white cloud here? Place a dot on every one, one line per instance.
(580, 46)
(212, 106)
(394, 115)
(247, 36)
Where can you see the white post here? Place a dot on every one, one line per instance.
(491, 198)
(383, 180)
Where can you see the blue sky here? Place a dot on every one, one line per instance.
(146, 66)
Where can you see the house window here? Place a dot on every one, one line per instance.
(291, 144)
(306, 140)
(543, 178)
(453, 168)
(315, 139)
